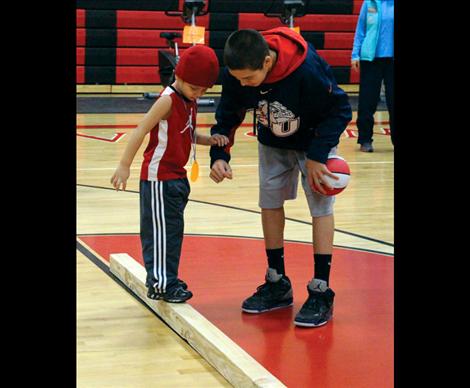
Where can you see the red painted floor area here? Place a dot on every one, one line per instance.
(355, 349)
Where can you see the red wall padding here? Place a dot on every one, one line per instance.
(154, 19)
(336, 57)
(336, 23)
(138, 39)
(148, 38)
(81, 36)
(149, 56)
(151, 38)
(137, 75)
(136, 56)
(338, 40)
(80, 18)
(357, 6)
(80, 75)
(80, 55)
(149, 75)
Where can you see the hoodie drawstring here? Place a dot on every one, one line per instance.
(269, 117)
(254, 120)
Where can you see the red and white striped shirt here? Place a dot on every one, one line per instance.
(169, 147)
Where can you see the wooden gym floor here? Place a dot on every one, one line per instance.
(120, 342)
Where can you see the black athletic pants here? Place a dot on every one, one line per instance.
(162, 206)
(372, 74)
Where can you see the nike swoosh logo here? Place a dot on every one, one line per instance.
(264, 92)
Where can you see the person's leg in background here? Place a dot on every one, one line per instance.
(369, 95)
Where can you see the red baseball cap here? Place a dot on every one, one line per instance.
(199, 66)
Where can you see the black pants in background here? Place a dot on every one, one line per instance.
(372, 74)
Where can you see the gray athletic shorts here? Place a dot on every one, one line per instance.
(279, 176)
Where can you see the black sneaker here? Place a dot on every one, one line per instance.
(270, 296)
(180, 282)
(366, 147)
(317, 310)
(177, 294)
(153, 294)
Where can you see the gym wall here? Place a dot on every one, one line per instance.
(118, 40)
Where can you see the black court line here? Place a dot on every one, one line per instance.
(105, 268)
(238, 236)
(251, 211)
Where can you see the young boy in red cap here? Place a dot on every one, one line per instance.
(164, 187)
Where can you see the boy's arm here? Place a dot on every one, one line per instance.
(229, 115)
(159, 110)
(331, 105)
(214, 140)
(329, 130)
(327, 135)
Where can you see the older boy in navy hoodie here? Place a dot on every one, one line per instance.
(301, 113)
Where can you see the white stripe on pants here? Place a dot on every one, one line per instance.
(159, 236)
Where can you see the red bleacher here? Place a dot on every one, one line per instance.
(120, 46)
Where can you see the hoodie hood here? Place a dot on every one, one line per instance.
(291, 50)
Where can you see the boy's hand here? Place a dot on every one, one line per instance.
(218, 140)
(120, 177)
(220, 170)
(315, 172)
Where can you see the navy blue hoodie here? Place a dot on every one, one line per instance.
(299, 104)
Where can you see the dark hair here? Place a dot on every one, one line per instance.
(245, 49)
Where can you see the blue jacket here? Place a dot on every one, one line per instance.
(302, 109)
(374, 31)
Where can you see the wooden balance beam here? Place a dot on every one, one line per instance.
(231, 361)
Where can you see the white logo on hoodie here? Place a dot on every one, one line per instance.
(281, 121)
